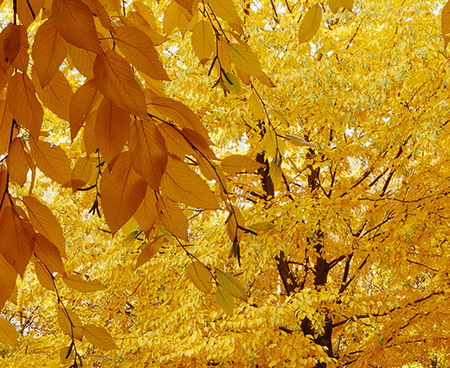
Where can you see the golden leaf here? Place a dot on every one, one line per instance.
(175, 142)
(70, 323)
(8, 278)
(74, 21)
(203, 40)
(245, 59)
(23, 104)
(148, 151)
(5, 126)
(237, 163)
(445, 23)
(83, 60)
(48, 254)
(77, 283)
(310, 23)
(43, 275)
(122, 191)
(99, 337)
(16, 239)
(8, 334)
(146, 213)
(149, 250)
(231, 284)
(111, 129)
(28, 10)
(200, 276)
(45, 222)
(181, 184)
(82, 103)
(224, 300)
(51, 160)
(226, 10)
(49, 51)
(139, 50)
(116, 81)
(172, 217)
(335, 5)
(17, 161)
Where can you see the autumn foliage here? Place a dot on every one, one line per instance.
(196, 183)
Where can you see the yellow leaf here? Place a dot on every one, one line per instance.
(16, 239)
(175, 142)
(17, 161)
(111, 129)
(203, 40)
(67, 355)
(172, 217)
(234, 223)
(122, 191)
(5, 126)
(178, 112)
(298, 141)
(200, 276)
(232, 84)
(74, 21)
(8, 278)
(99, 337)
(83, 60)
(226, 10)
(49, 51)
(149, 250)
(70, 323)
(57, 94)
(28, 10)
(43, 275)
(224, 300)
(256, 107)
(446, 23)
(261, 226)
(245, 59)
(77, 283)
(8, 334)
(83, 173)
(231, 284)
(23, 104)
(181, 184)
(82, 103)
(310, 23)
(146, 213)
(48, 254)
(139, 50)
(116, 81)
(237, 163)
(51, 160)
(335, 5)
(45, 222)
(10, 38)
(176, 16)
(100, 12)
(148, 151)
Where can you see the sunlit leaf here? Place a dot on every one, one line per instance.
(237, 163)
(200, 276)
(224, 300)
(8, 334)
(310, 23)
(149, 250)
(99, 337)
(231, 284)
(76, 282)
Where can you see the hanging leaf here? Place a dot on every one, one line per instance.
(82, 104)
(200, 276)
(5, 126)
(149, 250)
(23, 104)
(245, 59)
(45, 222)
(49, 51)
(48, 254)
(8, 278)
(226, 10)
(310, 23)
(43, 275)
(116, 81)
(237, 163)
(261, 226)
(148, 151)
(231, 284)
(28, 10)
(17, 161)
(74, 21)
(203, 40)
(70, 323)
(146, 213)
(99, 337)
(139, 50)
(335, 5)
(8, 334)
(298, 141)
(77, 283)
(224, 300)
(122, 191)
(181, 184)
(51, 160)
(172, 217)
(111, 129)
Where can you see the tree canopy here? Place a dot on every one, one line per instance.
(253, 183)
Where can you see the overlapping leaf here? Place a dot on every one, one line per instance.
(200, 276)
(76, 282)
(310, 23)
(99, 337)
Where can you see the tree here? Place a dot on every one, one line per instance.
(143, 144)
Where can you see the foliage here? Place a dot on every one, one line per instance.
(253, 183)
